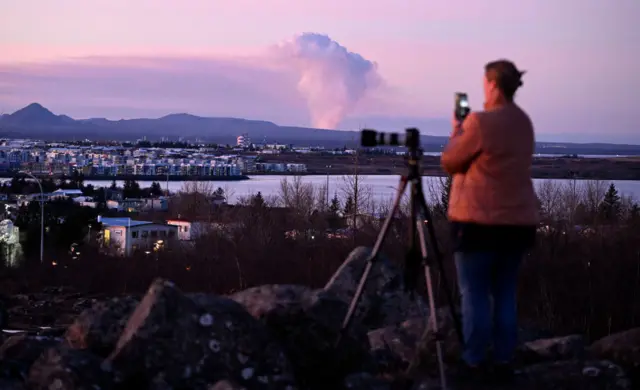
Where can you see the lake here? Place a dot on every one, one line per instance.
(382, 186)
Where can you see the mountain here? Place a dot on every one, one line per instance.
(35, 115)
(35, 121)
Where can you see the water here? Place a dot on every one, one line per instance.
(557, 155)
(382, 187)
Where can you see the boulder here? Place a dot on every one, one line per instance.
(98, 328)
(573, 375)
(384, 301)
(555, 348)
(365, 381)
(63, 368)
(412, 342)
(192, 343)
(7, 384)
(18, 353)
(622, 348)
(308, 323)
(226, 385)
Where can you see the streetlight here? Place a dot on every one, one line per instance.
(41, 214)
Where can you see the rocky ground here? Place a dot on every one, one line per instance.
(273, 337)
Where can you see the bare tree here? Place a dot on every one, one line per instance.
(297, 195)
(353, 187)
(194, 200)
(572, 194)
(322, 201)
(593, 192)
(550, 197)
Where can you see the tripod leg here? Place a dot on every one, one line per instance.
(432, 304)
(436, 251)
(374, 253)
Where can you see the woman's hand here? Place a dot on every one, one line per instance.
(456, 126)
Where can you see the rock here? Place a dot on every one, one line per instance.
(307, 323)
(18, 353)
(384, 301)
(192, 343)
(11, 384)
(400, 340)
(556, 348)
(365, 381)
(412, 345)
(226, 385)
(64, 368)
(622, 348)
(4, 315)
(99, 328)
(573, 375)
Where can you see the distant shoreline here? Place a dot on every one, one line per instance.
(158, 178)
(546, 172)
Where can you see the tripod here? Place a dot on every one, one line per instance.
(418, 250)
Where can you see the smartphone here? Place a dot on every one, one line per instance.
(462, 106)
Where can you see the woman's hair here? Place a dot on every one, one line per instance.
(506, 76)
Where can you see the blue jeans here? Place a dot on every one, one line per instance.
(481, 276)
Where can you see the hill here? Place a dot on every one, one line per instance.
(36, 121)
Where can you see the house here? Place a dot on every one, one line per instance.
(138, 204)
(72, 193)
(24, 200)
(125, 236)
(187, 230)
(192, 230)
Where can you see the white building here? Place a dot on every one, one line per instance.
(243, 141)
(188, 231)
(125, 236)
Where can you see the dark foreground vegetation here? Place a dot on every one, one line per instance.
(582, 277)
(581, 282)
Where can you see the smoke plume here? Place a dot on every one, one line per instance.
(332, 79)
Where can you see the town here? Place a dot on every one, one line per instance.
(143, 159)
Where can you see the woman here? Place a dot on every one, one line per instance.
(493, 212)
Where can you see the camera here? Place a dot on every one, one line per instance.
(372, 138)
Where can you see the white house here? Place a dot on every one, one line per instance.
(71, 193)
(187, 230)
(125, 236)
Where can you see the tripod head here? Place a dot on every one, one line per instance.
(411, 140)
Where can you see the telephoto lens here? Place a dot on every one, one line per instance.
(368, 138)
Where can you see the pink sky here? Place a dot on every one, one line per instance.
(208, 57)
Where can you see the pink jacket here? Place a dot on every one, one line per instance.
(490, 160)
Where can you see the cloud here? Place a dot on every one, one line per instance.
(309, 79)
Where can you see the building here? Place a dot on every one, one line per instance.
(124, 236)
(243, 141)
(187, 230)
(71, 193)
(132, 205)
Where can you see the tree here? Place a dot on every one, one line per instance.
(355, 189)
(610, 205)
(219, 193)
(155, 189)
(66, 222)
(257, 200)
(131, 189)
(77, 180)
(334, 207)
(444, 196)
(349, 207)
(634, 213)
